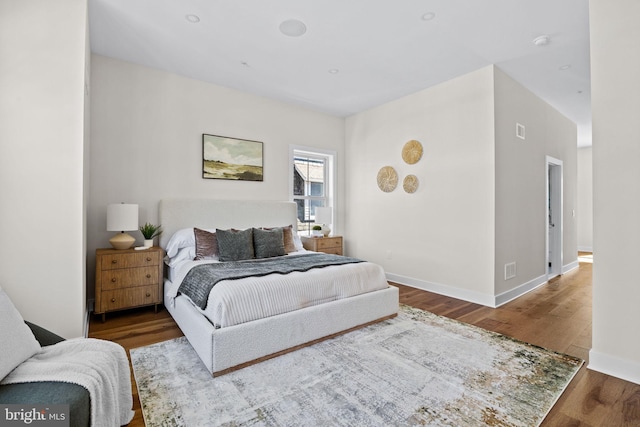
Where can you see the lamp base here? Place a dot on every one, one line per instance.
(326, 230)
(122, 241)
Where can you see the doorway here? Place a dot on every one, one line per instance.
(554, 217)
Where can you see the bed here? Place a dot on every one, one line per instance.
(225, 345)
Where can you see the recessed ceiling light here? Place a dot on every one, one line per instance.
(428, 16)
(565, 67)
(334, 71)
(293, 28)
(194, 19)
(542, 40)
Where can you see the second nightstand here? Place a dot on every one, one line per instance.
(329, 245)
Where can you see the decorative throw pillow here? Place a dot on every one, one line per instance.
(287, 234)
(235, 245)
(206, 244)
(268, 243)
(18, 342)
(289, 242)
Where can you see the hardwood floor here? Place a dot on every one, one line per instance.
(556, 316)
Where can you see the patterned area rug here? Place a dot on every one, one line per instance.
(415, 369)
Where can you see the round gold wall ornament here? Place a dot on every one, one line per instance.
(410, 183)
(412, 152)
(387, 179)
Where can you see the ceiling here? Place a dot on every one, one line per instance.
(355, 54)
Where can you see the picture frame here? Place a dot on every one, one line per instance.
(229, 158)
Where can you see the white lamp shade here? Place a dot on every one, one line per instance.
(323, 215)
(122, 217)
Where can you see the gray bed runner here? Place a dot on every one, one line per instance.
(202, 278)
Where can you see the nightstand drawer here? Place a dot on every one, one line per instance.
(131, 297)
(325, 243)
(335, 251)
(125, 278)
(130, 260)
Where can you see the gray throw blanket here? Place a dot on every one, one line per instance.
(202, 278)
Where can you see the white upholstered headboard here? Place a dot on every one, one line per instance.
(175, 214)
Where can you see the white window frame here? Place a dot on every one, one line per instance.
(330, 175)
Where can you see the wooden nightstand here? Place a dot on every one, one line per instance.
(329, 245)
(128, 278)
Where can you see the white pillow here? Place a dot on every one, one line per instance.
(18, 342)
(180, 239)
(184, 238)
(183, 254)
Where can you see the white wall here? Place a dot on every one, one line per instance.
(441, 237)
(43, 49)
(482, 196)
(521, 205)
(615, 67)
(585, 199)
(146, 132)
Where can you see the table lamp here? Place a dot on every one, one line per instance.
(122, 217)
(324, 217)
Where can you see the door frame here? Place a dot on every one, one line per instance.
(554, 215)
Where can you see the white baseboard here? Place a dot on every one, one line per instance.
(585, 249)
(520, 290)
(87, 318)
(477, 297)
(571, 266)
(611, 365)
(450, 291)
(85, 331)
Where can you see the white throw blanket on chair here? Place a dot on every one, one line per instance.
(100, 366)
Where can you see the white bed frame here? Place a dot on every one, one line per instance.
(226, 349)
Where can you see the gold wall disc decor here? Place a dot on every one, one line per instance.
(412, 152)
(410, 183)
(387, 179)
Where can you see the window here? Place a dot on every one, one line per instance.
(311, 183)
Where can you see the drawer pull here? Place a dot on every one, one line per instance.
(148, 258)
(148, 294)
(148, 276)
(114, 261)
(113, 280)
(113, 300)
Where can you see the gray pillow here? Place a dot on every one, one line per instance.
(235, 245)
(17, 341)
(287, 235)
(268, 243)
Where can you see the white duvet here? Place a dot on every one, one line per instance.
(232, 302)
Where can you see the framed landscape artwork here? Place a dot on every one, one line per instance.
(231, 158)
